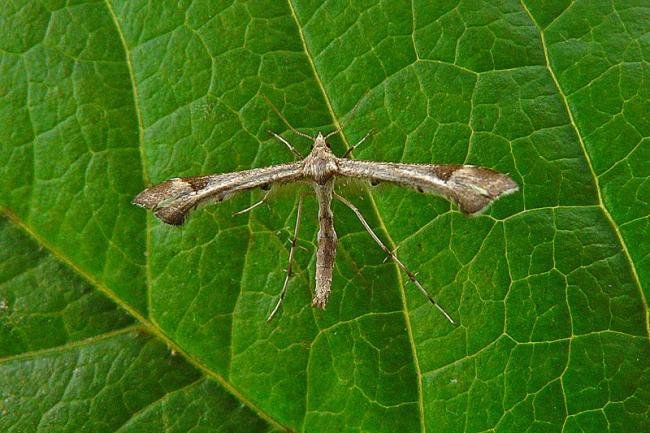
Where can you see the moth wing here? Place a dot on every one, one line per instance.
(173, 199)
(472, 188)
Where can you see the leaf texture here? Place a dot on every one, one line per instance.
(113, 322)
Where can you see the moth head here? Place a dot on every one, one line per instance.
(320, 141)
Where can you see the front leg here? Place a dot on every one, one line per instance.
(326, 243)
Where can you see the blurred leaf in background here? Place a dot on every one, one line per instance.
(112, 322)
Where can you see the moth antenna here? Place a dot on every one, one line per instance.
(348, 116)
(285, 142)
(349, 151)
(284, 119)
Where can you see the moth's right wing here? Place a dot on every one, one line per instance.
(472, 188)
(173, 199)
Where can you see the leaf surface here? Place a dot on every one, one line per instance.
(112, 321)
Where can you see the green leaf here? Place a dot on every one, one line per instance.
(112, 321)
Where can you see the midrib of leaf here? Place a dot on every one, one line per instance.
(373, 205)
(149, 326)
(601, 205)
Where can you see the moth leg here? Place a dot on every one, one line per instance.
(392, 255)
(292, 250)
(291, 148)
(253, 206)
(349, 151)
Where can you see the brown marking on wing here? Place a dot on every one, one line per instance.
(444, 172)
(197, 182)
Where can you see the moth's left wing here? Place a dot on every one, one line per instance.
(472, 188)
(172, 200)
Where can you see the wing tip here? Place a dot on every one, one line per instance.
(481, 187)
(163, 200)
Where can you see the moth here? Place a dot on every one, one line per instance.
(472, 188)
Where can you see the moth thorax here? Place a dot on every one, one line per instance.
(321, 169)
